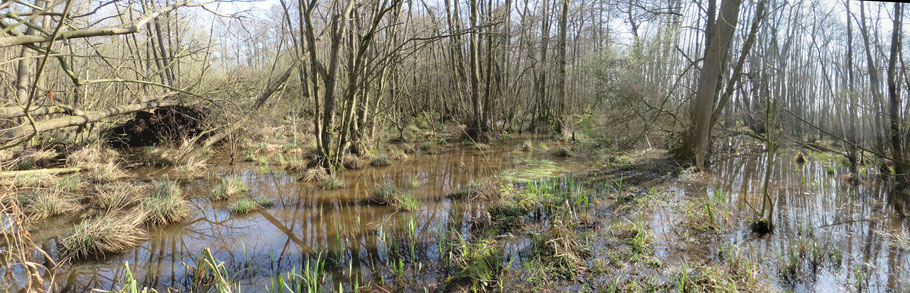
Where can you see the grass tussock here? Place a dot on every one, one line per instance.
(27, 181)
(412, 183)
(103, 235)
(230, 186)
(380, 161)
(479, 265)
(42, 204)
(248, 205)
(390, 195)
(118, 196)
(166, 204)
(351, 162)
(561, 247)
(332, 182)
(483, 190)
(102, 163)
(314, 175)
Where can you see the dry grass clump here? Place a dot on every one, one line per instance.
(101, 162)
(166, 204)
(314, 175)
(31, 159)
(103, 235)
(560, 247)
(352, 162)
(230, 186)
(27, 181)
(118, 196)
(42, 204)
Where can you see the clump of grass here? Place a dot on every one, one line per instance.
(389, 195)
(332, 182)
(479, 264)
(399, 155)
(412, 183)
(30, 159)
(476, 190)
(560, 247)
(314, 174)
(166, 204)
(380, 161)
(118, 196)
(42, 204)
(351, 162)
(103, 235)
(101, 162)
(296, 164)
(230, 186)
(425, 146)
(635, 235)
(27, 181)
(248, 205)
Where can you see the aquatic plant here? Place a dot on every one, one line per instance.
(230, 186)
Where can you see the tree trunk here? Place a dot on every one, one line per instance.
(698, 138)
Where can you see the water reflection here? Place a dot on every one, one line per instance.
(857, 228)
(304, 222)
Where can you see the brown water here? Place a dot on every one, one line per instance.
(859, 230)
(305, 220)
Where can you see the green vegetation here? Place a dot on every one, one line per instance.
(332, 182)
(390, 195)
(230, 187)
(247, 205)
(166, 204)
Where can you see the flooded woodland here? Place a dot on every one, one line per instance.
(454, 146)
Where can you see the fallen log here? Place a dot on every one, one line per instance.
(50, 171)
(86, 117)
(19, 111)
